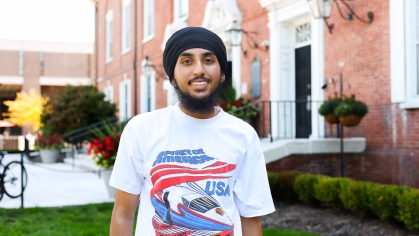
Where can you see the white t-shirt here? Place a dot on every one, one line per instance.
(194, 176)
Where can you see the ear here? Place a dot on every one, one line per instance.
(173, 82)
(223, 78)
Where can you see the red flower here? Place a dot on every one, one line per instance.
(238, 104)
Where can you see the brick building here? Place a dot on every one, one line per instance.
(44, 66)
(284, 55)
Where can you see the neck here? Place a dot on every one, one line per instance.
(198, 115)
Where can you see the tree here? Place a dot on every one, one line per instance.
(26, 109)
(76, 107)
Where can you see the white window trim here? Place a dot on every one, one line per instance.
(148, 37)
(183, 18)
(143, 92)
(126, 48)
(122, 96)
(408, 96)
(109, 18)
(108, 91)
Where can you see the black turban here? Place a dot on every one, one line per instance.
(192, 37)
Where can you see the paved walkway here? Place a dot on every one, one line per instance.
(59, 184)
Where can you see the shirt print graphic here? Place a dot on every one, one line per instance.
(182, 206)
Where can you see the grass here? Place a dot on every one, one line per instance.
(86, 220)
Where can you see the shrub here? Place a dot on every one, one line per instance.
(354, 196)
(286, 185)
(382, 200)
(273, 179)
(327, 189)
(408, 203)
(304, 187)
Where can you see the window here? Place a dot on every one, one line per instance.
(148, 19)
(109, 36)
(256, 74)
(125, 100)
(21, 63)
(42, 62)
(126, 25)
(181, 9)
(404, 53)
(108, 91)
(148, 92)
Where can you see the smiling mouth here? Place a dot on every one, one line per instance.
(199, 83)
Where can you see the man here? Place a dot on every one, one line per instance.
(196, 169)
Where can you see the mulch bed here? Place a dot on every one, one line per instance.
(329, 222)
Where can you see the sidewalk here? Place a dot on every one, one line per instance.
(59, 184)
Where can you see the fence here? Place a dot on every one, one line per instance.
(288, 120)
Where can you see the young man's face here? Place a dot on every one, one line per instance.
(197, 73)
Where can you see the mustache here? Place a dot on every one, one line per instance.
(199, 77)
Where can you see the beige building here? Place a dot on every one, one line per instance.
(43, 66)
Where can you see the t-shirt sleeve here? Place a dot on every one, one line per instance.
(126, 173)
(251, 190)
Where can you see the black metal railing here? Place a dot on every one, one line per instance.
(287, 119)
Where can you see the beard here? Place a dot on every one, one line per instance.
(203, 105)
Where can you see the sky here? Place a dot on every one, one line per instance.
(47, 20)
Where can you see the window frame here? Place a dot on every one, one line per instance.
(411, 56)
(177, 8)
(21, 63)
(126, 26)
(109, 36)
(125, 99)
(148, 32)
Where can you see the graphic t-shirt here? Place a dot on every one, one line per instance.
(194, 176)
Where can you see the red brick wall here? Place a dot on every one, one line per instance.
(392, 154)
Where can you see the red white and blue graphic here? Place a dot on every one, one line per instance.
(181, 205)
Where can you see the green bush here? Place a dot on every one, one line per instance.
(382, 200)
(327, 190)
(304, 187)
(354, 196)
(408, 203)
(273, 179)
(286, 185)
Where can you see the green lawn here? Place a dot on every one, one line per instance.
(92, 219)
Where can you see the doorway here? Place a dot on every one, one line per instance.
(303, 91)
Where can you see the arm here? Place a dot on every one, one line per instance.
(123, 213)
(251, 226)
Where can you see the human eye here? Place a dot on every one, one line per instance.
(208, 60)
(186, 61)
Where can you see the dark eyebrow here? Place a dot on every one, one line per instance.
(187, 54)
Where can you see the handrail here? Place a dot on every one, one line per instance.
(88, 127)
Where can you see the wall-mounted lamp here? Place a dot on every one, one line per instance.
(323, 9)
(234, 34)
(146, 66)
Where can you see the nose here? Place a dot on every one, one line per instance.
(199, 69)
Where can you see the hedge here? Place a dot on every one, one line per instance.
(389, 202)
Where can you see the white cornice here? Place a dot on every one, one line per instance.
(62, 81)
(11, 80)
(38, 46)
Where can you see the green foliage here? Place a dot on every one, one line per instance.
(281, 232)
(354, 196)
(282, 185)
(76, 107)
(408, 203)
(241, 108)
(304, 187)
(329, 106)
(327, 190)
(382, 200)
(350, 106)
(273, 179)
(286, 185)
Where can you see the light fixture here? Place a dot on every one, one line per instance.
(322, 9)
(234, 34)
(147, 66)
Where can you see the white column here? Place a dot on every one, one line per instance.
(236, 69)
(274, 70)
(317, 76)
